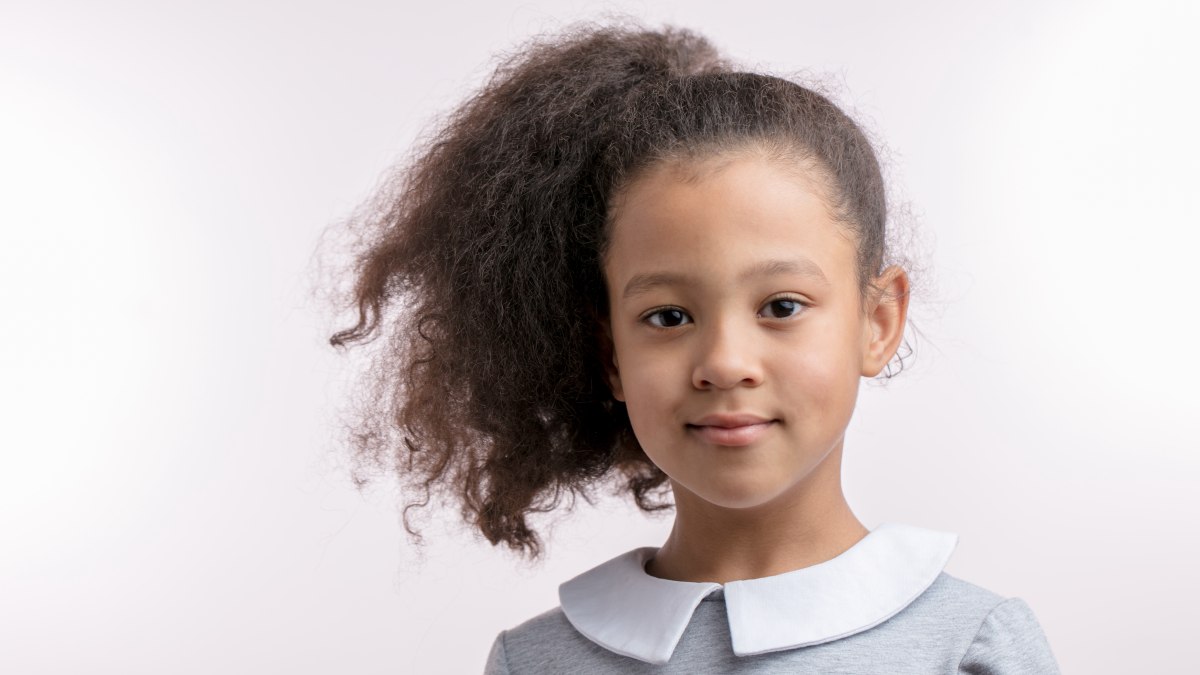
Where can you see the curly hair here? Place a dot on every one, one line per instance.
(488, 244)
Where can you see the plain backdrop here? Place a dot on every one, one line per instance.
(173, 495)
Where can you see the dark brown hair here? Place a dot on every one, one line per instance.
(488, 243)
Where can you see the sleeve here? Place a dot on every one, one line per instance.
(1009, 642)
(497, 661)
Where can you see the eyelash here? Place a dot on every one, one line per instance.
(783, 298)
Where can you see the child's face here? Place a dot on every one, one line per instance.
(730, 334)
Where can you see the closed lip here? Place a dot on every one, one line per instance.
(729, 420)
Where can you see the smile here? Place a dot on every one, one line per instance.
(733, 436)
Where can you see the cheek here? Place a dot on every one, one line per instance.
(818, 379)
(650, 394)
(646, 388)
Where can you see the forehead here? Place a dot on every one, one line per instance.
(721, 220)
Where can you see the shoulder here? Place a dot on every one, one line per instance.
(550, 624)
(541, 644)
(1002, 635)
(959, 596)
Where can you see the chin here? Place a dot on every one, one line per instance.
(744, 496)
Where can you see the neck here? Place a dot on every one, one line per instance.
(809, 524)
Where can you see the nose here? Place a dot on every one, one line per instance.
(727, 357)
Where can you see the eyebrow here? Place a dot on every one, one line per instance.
(640, 283)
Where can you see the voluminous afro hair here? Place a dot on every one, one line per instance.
(488, 245)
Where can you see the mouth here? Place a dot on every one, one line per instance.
(732, 435)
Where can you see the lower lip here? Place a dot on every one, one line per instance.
(731, 435)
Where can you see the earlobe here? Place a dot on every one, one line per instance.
(614, 381)
(608, 358)
(885, 320)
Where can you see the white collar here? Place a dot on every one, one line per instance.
(619, 606)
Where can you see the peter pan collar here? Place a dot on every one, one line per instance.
(621, 607)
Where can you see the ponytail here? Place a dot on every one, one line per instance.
(491, 238)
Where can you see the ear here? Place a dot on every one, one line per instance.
(608, 358)
(886, 312)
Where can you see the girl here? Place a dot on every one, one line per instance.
(625, 259)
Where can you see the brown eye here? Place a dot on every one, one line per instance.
(670, 318)
(783, 308)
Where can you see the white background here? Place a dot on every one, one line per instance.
(172, 497)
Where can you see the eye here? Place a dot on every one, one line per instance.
(670, 317)
(785, 306)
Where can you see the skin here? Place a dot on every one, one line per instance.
(782, 345)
